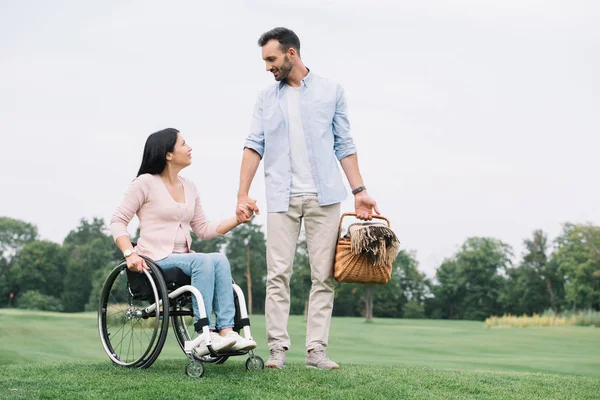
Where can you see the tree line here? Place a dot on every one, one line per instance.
(479, 280)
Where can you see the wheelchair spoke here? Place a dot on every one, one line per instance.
(130, 341)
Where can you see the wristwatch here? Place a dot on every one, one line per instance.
(128, 252)
(358, 189)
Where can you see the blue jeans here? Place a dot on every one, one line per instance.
(211, 275)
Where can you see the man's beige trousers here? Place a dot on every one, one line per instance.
(283, 229)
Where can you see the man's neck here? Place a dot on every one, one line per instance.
(296, 76)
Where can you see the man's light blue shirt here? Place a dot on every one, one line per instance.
(327, 131)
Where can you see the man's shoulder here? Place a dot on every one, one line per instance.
(327, 86)
(270, 90)
(325, 81)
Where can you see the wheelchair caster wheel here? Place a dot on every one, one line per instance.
(194, 370)
(255, 363)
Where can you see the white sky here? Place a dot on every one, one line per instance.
(471, 118)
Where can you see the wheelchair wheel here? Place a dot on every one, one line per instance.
(182, 318)
(255, 363)
(194, 369)
(132, 333)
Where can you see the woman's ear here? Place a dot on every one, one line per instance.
(169, 156)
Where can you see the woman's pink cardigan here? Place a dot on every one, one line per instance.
(160, 216)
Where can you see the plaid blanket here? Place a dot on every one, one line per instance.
(375, 241)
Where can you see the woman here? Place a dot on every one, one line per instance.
(168, 206)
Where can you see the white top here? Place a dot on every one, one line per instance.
(180, 245)
(302, 180)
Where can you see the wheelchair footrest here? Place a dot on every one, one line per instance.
(202, 322)
(241, 323)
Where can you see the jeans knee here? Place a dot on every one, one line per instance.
(201, 262)
(219, 259)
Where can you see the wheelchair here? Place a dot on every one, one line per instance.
(134, 313)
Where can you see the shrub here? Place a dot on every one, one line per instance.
(34, 300)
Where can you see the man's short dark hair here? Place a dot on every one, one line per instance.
(286, 38)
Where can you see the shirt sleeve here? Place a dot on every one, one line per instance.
(135, 196)
(256, 138)
(343, 144)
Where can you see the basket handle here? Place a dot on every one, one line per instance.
(351, 214)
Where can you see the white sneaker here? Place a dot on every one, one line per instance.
(219, 344)
(241, 343)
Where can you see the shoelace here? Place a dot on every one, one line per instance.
(321, 355)
(276, 353)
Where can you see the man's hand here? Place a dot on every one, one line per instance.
(246, 208)
(243, 214)
(364, 206)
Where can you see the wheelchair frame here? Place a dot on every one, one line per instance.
(148, 323)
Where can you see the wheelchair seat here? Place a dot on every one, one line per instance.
(175, 278)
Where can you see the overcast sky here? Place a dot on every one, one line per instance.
(472, 118)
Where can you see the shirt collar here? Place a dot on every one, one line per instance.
(304, 81)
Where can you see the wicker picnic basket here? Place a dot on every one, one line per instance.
(360, 268)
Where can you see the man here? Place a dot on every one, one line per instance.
(300, 128)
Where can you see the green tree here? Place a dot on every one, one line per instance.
(39, 266)
(535, 284)
(577, 257)
(4, 286)
(246, 252)
(537, 259)
(88, 231)
(349, 300)
(449, 292)
(14, 234)
(89, 247)
(414, 284)
(207, 245)
(470, 284)
(99, 275)
(83, 261)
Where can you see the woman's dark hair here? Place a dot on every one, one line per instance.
(157, 146)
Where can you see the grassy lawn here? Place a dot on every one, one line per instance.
(385, 359)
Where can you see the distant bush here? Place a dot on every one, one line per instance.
(34, 300)
(414, 310)
(548, 318)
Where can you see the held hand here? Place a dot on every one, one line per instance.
(245, 212)
(364, 206)
(245, 205)
(136, 263)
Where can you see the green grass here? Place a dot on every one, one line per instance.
(385, 359)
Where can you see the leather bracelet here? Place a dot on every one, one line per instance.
(358, 189)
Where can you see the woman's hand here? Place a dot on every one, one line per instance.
(136, 263)
(245, 209)
(244, 213)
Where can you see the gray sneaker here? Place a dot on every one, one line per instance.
(318, 359)
(276, 358)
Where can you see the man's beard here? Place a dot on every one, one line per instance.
(285, 69)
